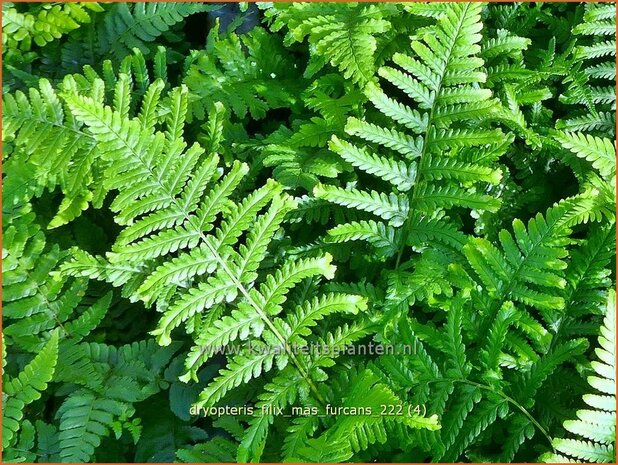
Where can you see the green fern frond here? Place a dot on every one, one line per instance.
(109, 381)
(368, 427)
(44, 24)
(41, 123)
(393, 208)
(402, 176)
(601, 152)
(218, 449)
(36, 301)
(308, 232)
(595, 429)
(586, 275)
(83, 420)
(343, 35)
(249, 74)
(187, 269)
(37, 125)
(588, 80)
(298, 154)
(447, 96)
(529, 269)
(383, 237)
(134, 25)
(27, 387)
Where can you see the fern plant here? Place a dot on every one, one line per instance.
(36, 303)
(207, 271)
(41, 135)
(106, 382)
(251, 75)
(498, 379)
(129, 26)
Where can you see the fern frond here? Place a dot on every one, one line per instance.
(343, 35)
(127, 26)
(241, 369)
(45, 24)
(591, 72)
(392, 208)
(443, 80)
(368, 428)
(218, 449)
(38, 125)
(279, 393)
(595, 430)
(529, 269)
(601, 152)
(190, 270)
(83, 420)
(382, 237)
(27, 387)
(36, 300)
(402, 176)
(249, 75)
(308, 232)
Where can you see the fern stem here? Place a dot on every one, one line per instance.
(49, 306)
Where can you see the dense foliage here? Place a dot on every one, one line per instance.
(192, 192)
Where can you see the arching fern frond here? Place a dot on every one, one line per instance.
(587, 275)
(37, 302)
(43, 136)
(369, 426)
(44, 24)
(210, 278)
(600, 152)
(529, 267)
(108, 381)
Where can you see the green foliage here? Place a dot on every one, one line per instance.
(590, 82)
(108, 381)
(26, 388)
(344, 35)
(250, 74)
(600, 152)
(127, 26)
(308, 232)
(595, 428)
(43, 24)
(433, 168)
